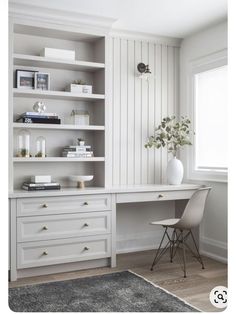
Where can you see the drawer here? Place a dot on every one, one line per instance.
(43, 253)
(62, 204)
(153, 196)
(50, 227)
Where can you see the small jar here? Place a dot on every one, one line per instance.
(40, 147)
(80, 117)
(23, 144)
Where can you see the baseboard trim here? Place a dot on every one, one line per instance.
(214, 256)
(214, 249)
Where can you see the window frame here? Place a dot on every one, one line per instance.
(196, 66)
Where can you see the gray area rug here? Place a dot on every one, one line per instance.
(116, 292)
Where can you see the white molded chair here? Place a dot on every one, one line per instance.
(191, 218)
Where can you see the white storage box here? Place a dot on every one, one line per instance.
(78, 88)
(75, 88)
(87, 89)
(41, 179)
(58, 53)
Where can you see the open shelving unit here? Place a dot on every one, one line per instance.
(56, 95)
(43, 62)
(90, 66)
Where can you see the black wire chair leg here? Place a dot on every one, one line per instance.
(158, 253)
(172, 245)
(198, 254)
(184, 255)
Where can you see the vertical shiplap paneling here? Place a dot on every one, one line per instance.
(131, 72)
(151, 112)
(176, 80)
(164, 104)
(116, 112)
(123, 110)
(170, 84)
(137, 116)
(144, 118)
(138, 106)
(158, 109)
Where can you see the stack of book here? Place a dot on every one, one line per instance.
(38, 117)
(29, 186)
(78, 151)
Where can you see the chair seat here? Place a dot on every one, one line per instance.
(166, 222)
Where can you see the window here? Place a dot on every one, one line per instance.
(211, 119)
(209, 116)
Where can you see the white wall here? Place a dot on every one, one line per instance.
(213, 233)
(137, 106)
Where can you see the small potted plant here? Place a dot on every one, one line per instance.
(81, 141)
(173, 135)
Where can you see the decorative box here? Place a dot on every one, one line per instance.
(41, 179)
(79, 88)
(80, 117)
(63, 54)
(74, 88)
(87, 89)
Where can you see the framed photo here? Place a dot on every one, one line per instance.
(25, 79)
(42, 80)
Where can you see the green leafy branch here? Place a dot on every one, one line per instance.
(172, 134)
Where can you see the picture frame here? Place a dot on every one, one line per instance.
(42, 81)
(25, 79)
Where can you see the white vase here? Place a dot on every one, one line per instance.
(175, 171)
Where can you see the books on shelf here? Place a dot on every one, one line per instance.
(39, 114)
(78, 151)
(78, 148)
(39, 120)
(77, 154)
(29, 186)
(38, 117)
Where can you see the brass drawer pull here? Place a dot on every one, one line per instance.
(160, 195)
(45, 228)
(45, 206)
(45, 253)
(85, 203)
(86, 248)
(86, 224)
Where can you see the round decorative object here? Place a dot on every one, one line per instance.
(23, 144)
(175, 171)
(80, 180)
(141, 67)
(39, 106)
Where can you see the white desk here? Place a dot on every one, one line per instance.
(71, 229)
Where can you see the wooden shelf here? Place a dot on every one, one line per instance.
(58, 126)
(57, 159)
(43, 62)
(48, 94)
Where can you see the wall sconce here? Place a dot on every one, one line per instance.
(144, 70)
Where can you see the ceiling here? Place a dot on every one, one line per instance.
(174, 18)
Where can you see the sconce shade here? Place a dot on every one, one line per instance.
(141, 67)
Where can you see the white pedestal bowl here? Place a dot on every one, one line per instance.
(81, 180)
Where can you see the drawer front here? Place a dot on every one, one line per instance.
(50, 227)
(62, 205)
(43, 253)
(153, 196)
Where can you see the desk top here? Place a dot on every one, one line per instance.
(107, 190)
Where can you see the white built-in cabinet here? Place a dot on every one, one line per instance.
(26, 43)
(56, 231)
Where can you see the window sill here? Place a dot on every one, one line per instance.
(208, 176)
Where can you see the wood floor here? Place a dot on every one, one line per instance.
(194, 289)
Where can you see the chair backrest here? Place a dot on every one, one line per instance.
(194, 209)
